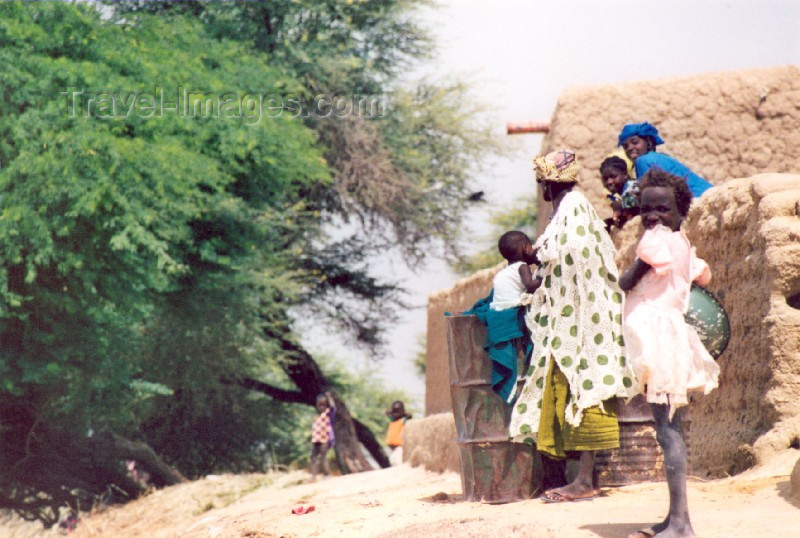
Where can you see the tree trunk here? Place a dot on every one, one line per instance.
(119, 448)
(307, 376)
(43, 468)
(345, 440)
(366, 438)
(348, 453)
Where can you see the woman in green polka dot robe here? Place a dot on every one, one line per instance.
(578, 367)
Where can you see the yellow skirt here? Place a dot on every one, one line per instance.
(599, 430)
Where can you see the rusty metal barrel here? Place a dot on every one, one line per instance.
(493, 469)
(639, 457)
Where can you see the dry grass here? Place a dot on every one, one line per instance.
(160, 509)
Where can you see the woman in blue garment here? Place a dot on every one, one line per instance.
(639, 140)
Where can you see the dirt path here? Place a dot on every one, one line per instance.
(399, 502)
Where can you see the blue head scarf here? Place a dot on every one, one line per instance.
(639, 129)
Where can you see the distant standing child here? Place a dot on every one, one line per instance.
(394, 434)
(322, 438)
(515, 279)
(664, 350)
(621, 190)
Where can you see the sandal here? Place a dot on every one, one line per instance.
(553, 496)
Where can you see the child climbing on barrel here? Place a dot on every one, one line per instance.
(507, 334)
(665, 352)
(516, 278)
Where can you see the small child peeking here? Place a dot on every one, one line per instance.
(516, 279)
(665, 352)
(322, 438)
(621, 191)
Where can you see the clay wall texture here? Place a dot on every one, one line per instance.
(748, 231)
(431, 443)
(723, 126)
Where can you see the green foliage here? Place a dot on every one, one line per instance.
(420, 360)
(146, 253)
(404, 173)
(335, 46)
(436, 137)
(104, 219)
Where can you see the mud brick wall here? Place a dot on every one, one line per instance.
(722, 126)
(726, 127)
(748, 231)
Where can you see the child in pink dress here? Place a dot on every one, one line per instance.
(665, 352)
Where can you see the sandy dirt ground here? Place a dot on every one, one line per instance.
(411, 502)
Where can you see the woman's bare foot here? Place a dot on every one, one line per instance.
(581, 488)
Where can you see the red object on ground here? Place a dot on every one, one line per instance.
(300, 510)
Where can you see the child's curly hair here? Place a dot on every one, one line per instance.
(657, 177)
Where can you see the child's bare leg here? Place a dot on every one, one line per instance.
(315, 450)
(583, 485)
(324, 458)
(670, 437)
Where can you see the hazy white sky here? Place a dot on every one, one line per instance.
(520, 55)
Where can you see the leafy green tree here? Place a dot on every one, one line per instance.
(153, 263)
(109, 221)
(403, 173)
(402, 176)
